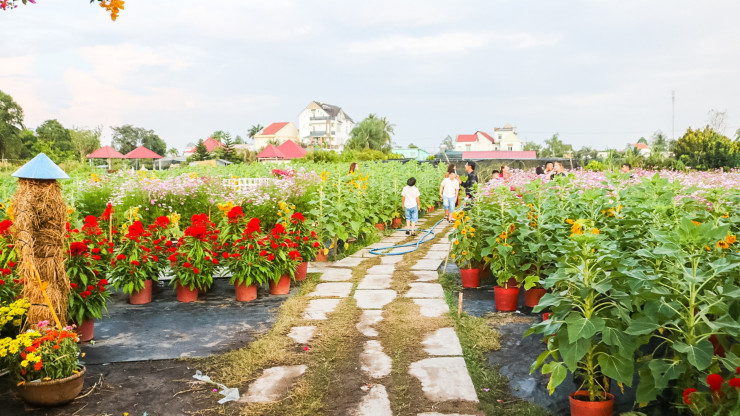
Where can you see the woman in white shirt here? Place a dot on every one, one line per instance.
(410, 200)
(449, 191)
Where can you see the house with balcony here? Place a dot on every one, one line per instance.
(277, 133)
(324, 125)
(502, 139)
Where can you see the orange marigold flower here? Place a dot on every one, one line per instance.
(595, 231)
(696, 222)
(569, 221)
(730, 239)
(722, 244)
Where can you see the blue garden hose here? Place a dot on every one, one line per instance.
(427, 233)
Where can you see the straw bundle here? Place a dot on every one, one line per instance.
(40, 215)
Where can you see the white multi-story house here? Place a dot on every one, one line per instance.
(324, 125)
(503, 138)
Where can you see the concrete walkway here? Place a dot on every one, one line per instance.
(442, 374)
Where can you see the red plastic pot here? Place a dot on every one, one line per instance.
(580, 406)
(281, 287)
(546, 316)
(470, 277)
(143, 296)
(185, 294)
(301, 272)
(321, 257)
(397, 222)
(245, 293)
(86, 330)
(380, 226)
(506, 298)
(532, 296)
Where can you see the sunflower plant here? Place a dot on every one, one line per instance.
(466, 242)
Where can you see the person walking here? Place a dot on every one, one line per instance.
(472, 179)
(449, 191)
(411, 203)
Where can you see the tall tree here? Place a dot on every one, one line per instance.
(127, 138)
(254, 130)
(658, 143)
(371, 133)
(11, 126)
(642, 140)
(201, 153)
(227, 151)
(705, 149)
(448, 143)
(533, 146)
(554, 147)
(54, 140)
(85, 141)
(173, 152)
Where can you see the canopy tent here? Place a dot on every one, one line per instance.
(270, 153)
(142, 152)
(105, 152)
(290, 150)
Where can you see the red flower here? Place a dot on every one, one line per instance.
(135, 263)
(155, 258)
(234, 214)
(295, 255)
(103, 282)
(135, 230)
(96, 257)
(5, 272)
(85, 294)
(263, 253)
(270, 257)
(687, 395)
(162, 222)
(715, 382)
(172, 258)
(298, 216)
(73, 285)
(225, 255)
(279, 229)
(120, 257)
(168, 243)
(195, 270)
(253, 226)
(77, 248)
(735, 382)
(316, 244)
(107, 212)
(196, 231)
(187, 265)
(5, 225)
(95, 250)
(12, 264)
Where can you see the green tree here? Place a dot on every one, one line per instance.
(448, 143)
(127, 138)
(227, 152)
(413, 146)
(586, 152)
(533, 146)
(201, 153)
(11, 126)
(85, 141)
(254, 130)
(372, 133)
(54, 140)
(705, 149)
(642, 140)
(173, 152)
(554, 147)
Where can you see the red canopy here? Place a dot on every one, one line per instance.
(105, 152)
(291, 150)
(270, 152)
(142, 152)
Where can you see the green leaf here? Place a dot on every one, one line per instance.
(617, 367)
(699, 355)
(580, 327)
(572, 352)
(642, 325)
(617, 338)
(664, 371)
(557, 374)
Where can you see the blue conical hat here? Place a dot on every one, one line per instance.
(40, 167)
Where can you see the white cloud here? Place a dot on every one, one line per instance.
(444, 43)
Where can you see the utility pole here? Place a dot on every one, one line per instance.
(673, 115)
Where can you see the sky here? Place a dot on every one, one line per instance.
(600, 73)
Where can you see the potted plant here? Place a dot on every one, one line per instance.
(306, 240)
(282, 252)
(396, 219)
(10, 285)
(194, 262)
(88, 294)
(248, 268)
(132, 267)
(44, 362)
(586, 332)
(465, 250)
(505, 263)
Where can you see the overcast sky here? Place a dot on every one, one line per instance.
(598, 72)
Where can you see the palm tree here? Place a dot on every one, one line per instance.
(173, 152)
(254, 130)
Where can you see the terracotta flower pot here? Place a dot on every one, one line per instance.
(52, 392)
(86, 330)
(506, 298)
(281, 287)
(143, 296)
(397, 222)
(470, 277)
(185, 294)
(380, 226)
(580, 406)
(245, 293)
(321, 257)
(532, 296)
(301, 272)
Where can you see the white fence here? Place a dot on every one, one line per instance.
(245, 185)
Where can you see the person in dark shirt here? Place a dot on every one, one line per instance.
(471, 180)
(559, 170)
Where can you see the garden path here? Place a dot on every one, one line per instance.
(441, 372)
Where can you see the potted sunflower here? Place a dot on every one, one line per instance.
(466, 249)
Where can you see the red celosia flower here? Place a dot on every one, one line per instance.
(5, 225)
(735, 382)
(172, 258)
(316, 244)
(168, 243)
(106, 214)
(263, 253)
(95, 250)
(73, 285)
(195, 270)
(196, 231)
(715, 382)
(77, 248)
(270, 257)
(687, 395)
(298, 217)
(120, 257)
(234, 214)
(103, 282)
(162, 222)
(225, 255)
(135, 263)
(253, 226)
(135, 230)
(187, 265)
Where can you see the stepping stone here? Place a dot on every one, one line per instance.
(394, 239)
(436, 255)
(443, 341)
(427, 264)
(374, 299)
(375, 403)
(440, 247)
(441, 414)
(375, 281)
(432, 308)
(374, 361)
(274, 385)
(384, 269)
(425, 275)
(348, 262)
(425, 290)
(336, 275)
(444, 378)
(362, 254)
(332, 290)
(317, 267)
(403, 250)
(318, 308)
(368, 320)
(385, 260)
(302, 334)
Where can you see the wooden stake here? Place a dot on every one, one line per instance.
(459, 305)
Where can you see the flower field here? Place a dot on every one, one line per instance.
(642, 276)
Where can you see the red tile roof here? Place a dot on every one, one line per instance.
(273, 128)
(142, 152)
(641, 146)
(212, 144)
(486, 136)
(105, 152)
(270, 152)
(500, 154)
(291, 150)
(467, 138)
